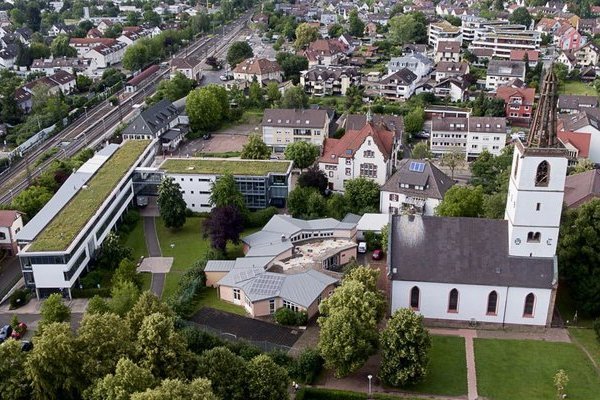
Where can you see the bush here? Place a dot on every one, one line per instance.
(130, 220)
(281, 358)
(307, 367)
(244, 349)
(597, 328)
(189, 288)
(92, 279)
(19, 298)
(258, 219)
(198, 341)
(285, 316)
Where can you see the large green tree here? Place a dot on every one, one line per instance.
(255, 149)
(31, 200)
(356, 27)
(305, 34)
(226, 372)
(461, 201)
(362, 196)
(145, 305)
(175, 88)
(135, 57)
(408, 28)
(292, 65)
(112, 252)
(127, 379)
(198, 389)
(205, 109)
(414, 120)
(171, 204)
(224, 192)
(266, 380)
(60, 47)
(491, 172)
(53, 309)
(421, 151)
(238, 52)
(124, 295)
(405, 345)
(303, 154)
(520, 16)
(453, 160)
(294, 97)
(579, 255)
(14, 383)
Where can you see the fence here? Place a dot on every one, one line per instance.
(264, 345)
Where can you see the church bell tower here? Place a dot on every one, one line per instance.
(537, 182)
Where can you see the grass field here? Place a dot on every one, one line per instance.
(587, 338)
(136, 240)
(524, 369)
(576, 87)
(447, 368)
(209, 298)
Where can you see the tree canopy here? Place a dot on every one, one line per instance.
(304, 154)
(224, 192)
(305, 34)
(224, 224)
(294, 97)
(408, 28)
(255, 149)
(238, 52)
(362, 196)
(207, 108)
(171, 204)
(520, 16)
(461, 201)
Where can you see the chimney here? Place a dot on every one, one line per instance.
(283, 238)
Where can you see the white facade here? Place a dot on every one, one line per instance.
(443, 30)
(196, 190)
(493, 142)
(534, 203)
(594, 153)
(473, 302)
(391, 203)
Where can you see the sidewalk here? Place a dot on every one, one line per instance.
(77, 306)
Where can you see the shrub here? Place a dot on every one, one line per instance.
(281, 358)
(19, 298)
(373, 240)
(285, 316)
(92, 279)
(597, 328)
(198, 341)
(243, 349)
(258, 219)
(130, 219)
(307, 367)
(189, 288)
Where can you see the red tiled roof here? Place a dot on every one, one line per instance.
(579, 140)
(257, 66)
(506, 92)
(8, 217)
(139, 78)
(347, 145)
(519, 55)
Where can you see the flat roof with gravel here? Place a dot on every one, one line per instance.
(217, 166)
(72, 218)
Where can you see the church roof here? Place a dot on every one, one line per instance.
(471, 251)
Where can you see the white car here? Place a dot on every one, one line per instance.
(362, 247)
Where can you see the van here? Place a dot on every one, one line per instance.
(362, 247)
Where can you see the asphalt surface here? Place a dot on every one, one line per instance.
(158, 279)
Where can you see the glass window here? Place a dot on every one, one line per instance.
(529, 304)
(414, 298)
(236, 294)
(492, 302)
(453, 301)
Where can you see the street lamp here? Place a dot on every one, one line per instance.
(370, 377)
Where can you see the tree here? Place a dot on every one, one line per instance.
(132, 18)
(316, 206)
(97, 305)
(303, 154)
(127, 380)
(491, 172)
(453, 160)
(198, 389)
(53, 364)
(171, 204)
(336, 206)
(124, 295)
(238, 52)
(31, 200)
(54, 310)
(414, 120)
(313, 177)
(385, 233)
(461, 201)
(175, 88)
(273, 93)
(494, 205)
(256, 96)
(255, 149)
(224, 192)
(405, 346)
(14, 383)
(356, 27)
(335, 30)
(135, 57)
(520, 17)
(146, 305)
(297, 201)
(226, 372)
(292, 65)
(579, 255)
(408, 28)
(126, 272)
(362, 195)
(102, 339)
(582, 165)
(305, 34)
(60, 47)
(83, 83)
(266, 380)
(561, 72)
(224, 224)
(294, 97)
(205, 109)
(152, 18)
(159, 348)
(421, 151)
(112, 252)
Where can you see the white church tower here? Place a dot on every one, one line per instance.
(537, 182)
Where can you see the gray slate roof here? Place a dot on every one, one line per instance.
(575, 102)
(472, 251)
(153, 119)
(435, 182)
(506, 68)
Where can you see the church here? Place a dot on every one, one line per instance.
(483, 271)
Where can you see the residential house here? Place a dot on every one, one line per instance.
(568, 59)
(502, 39)
(104, 25)
(153, 122)
(576, 144)
(281, 127)
(531, 56)
(367, 152)
(190, 67)
(568, 38)
(587, 55)
(325, 52)
(8, 56)
(260, 69)
(547, 26)
(443, 31)
(571, 104)
(453, 88)
(450, 69)
(582, 188)
(329, 81)
(485, 133)
(11, 222)
(49, 66)
(417, 186)
(399, 85)
(60, 29)
(585, 121)
(417, 63)
(500, 72)
(518, 103)
(447, 51)
(24, 35)
(106, 55)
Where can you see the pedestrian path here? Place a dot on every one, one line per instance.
(153, 246)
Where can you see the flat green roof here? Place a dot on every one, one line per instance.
(70, 220)
(222, 166)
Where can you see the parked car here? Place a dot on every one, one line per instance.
(19, 331)
(26, 345)
(207, 136)
(226, 77)
(362, 247)
(377, 254)
(5, 333)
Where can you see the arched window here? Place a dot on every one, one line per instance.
(492, 304)
(529, 304)
(542, 175)
(414, 298)
(534, 237)
(453, 301)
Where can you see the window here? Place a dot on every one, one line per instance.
(453, 301)
(542, 176)
(291, 306)
(516, 167)
(348, 161)
(393, 197)
(368, 170)
(533, 237)
(414, 298)
(2, 236)
(236, 294)
(538, 206)
(529, 304)
(348, 171)
(369, 154)
(492, 303)
(331, 174)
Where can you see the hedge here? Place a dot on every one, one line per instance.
(310, 393)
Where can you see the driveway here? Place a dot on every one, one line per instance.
(158, 279)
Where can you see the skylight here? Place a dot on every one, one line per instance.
(416, 166)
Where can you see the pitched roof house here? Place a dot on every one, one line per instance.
(518, 104)
(582, 188)
(261, 69)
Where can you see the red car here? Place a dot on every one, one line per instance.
(377, 254)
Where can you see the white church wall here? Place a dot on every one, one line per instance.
(472, 302)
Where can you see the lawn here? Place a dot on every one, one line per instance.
(235, 167)
(209, 298)
(63, 228)
(587, 338)
(524, 369)
(136, 240)
(447, 368)
(576, 87)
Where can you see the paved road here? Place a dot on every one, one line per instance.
(158, 280)
(10, 273)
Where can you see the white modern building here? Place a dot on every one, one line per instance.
(502, 39)
(57, 244)
(500, 72)
(417, 63)
(444, 31)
